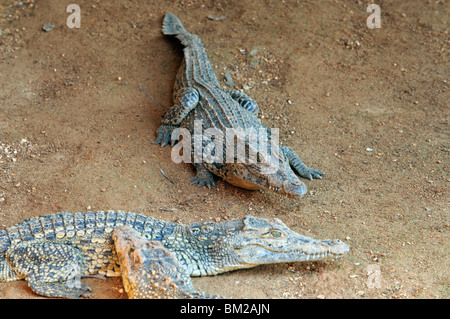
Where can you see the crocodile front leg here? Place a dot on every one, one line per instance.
(203, 152)
(203, 177)
(244, 101)
(186, 99)
(298, 165)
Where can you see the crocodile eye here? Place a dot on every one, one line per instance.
(259, 158)
(275, 233)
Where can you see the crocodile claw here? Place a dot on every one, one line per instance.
(309, 173)
(201, 181)
(164, 136)
(78, 291)
(84, 291)
(312, 173)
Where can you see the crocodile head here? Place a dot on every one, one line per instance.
(263, 170)
(149, 270)
(279, 178)
(257, 241)
(145, 263)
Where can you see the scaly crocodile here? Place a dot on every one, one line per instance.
(53, 252)
(200, 105)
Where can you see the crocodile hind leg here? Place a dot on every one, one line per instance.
(244, 101)
(298, 165)
(186, 99)
(50, 269)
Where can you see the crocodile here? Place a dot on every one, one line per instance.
(54, 252)
(201, 105)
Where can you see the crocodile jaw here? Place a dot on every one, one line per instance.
(280, 182)
(257, 254)
(291, 188)
(238, 182)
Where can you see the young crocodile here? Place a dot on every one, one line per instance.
(52, 252)
(201, 105)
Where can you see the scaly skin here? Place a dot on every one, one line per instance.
(198, 96)
(150, 271)
(53, 252)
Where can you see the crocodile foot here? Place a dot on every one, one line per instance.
(204, 177)
(309, 173)
(71, 289)
(298, 166)
(65, 289)
(209, 182)
(164, 135)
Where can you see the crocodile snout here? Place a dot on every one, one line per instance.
(296, 188)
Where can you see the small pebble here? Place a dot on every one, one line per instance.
(229, 80)
(48, 27)
(219, 18)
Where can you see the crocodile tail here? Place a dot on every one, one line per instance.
(173, 26)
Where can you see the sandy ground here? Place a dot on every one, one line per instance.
(367, 106)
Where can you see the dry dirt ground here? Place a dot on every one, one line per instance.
(367, 106)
